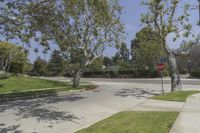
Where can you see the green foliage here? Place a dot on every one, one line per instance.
(56, 64)
(87, 25)
(196, 73)
(124, 52)
(84, 25)
(97, 64)
(13, 58)
(188, 58)
(107, 61)
(148, 55)
(121, 73)
(121, 58)
(39, 68)
(17, 67)
(146, 49)
(134, 122)
(163, 17)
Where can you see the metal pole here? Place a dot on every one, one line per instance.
(161, 75)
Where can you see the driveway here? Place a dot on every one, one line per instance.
(71, 112)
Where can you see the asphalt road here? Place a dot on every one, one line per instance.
(71, 112)
(133, 80)
(68, 113)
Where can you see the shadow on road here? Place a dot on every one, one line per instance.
(36, 108)
(13, 129)
(136, 92)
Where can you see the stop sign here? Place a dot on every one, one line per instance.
(160, 67)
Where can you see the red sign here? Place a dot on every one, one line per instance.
(160, 67)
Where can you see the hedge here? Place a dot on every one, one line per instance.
(196, 73)
(127, 73)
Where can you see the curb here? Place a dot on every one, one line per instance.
(31, 94)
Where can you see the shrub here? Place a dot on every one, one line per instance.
(165, 73)
(123, 73)
(94, 74)
(147, 73)
(182, 71)
(196, 73)
(129, 73)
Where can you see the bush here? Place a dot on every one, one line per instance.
(147, 73)
(182, 71)
(165, 73)
(196, 73)
(17, 67)
(129, 73)
(94, 74)
(125, 73)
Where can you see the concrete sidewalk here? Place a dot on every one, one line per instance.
(188, 120)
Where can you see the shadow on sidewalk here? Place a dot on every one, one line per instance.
(136, 92)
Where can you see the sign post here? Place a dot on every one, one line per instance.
(160, 67)
(161, 75)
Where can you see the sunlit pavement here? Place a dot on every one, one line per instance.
(188, 120)
(69, 113)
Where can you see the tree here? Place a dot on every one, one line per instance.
(148, 55)
(162, 17)
(56, 64)
(107, 61)
(97, 64)
(39, 67)
(13, 58)
(146, 49)
(86, 25)
(188, 58)
(116, 58)
(124, 52)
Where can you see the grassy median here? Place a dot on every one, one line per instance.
(134, 122)
(14, 88)
(19, 84)
(179, 96)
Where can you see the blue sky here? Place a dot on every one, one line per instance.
(131, 17)
(132, 9)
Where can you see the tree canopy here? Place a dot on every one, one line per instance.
(12, 58)
(86, 25)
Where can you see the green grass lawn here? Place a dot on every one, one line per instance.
(19, 84)
(134, 122)
(179, 96)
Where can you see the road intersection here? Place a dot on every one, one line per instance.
(68, 113)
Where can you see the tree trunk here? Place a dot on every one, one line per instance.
(76, 78)
(174, 73)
